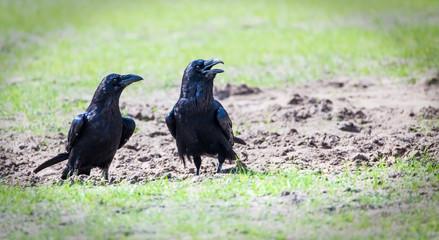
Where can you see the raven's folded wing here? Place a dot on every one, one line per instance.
(75, 130)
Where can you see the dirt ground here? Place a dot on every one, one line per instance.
(326, 126)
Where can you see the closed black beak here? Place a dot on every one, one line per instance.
(126, 80)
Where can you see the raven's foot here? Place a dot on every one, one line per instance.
(197, 161)
(221, 160)
(105, 173)
(219, 168)
(66, 173)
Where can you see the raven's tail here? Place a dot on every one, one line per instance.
(58, 158)
(183, 159)
(239, 140)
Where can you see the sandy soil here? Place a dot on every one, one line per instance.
(324, 126)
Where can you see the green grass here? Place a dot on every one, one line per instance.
(54, 52)
(381, 202)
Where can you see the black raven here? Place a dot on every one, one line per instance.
(198, 122)
(96, 134)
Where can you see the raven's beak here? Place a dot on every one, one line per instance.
(126, 80)
(208, 64)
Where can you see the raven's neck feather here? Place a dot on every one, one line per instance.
(204, 93)
(200, 91)
(101, 103)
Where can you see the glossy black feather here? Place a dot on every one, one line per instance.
(170, 122)
(127, 130)
(75, 130)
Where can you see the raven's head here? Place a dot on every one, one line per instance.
(111, 87)
(198, 77)
(115, 83)
(202, 69)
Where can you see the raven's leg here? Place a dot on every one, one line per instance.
(105, 171)
(197, 161)
(66, 173)
(221, 161)
(76, 167)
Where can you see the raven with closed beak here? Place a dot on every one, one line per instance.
(198, 122)
(96, 134)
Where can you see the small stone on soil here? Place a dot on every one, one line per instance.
(35, 147)
(133, 146)
(360, 157)
(297, 99)
(285, 193)
(155, 134)
(349, 127)
(326, 105)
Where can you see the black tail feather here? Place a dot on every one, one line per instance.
(239, 140)
(58, 158)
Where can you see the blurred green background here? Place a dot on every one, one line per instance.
(53, 53)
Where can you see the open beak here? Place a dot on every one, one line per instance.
(126, 80)
(208, 64)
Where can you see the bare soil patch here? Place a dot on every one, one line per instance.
(324, 126)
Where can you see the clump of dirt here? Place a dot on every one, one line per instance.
(431, 78)
(138, 111)
(325, 126)
(430, 112)
(221, 93)
(350, 127)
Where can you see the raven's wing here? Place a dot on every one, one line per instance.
(170, 122)
(127, 130)
(75, 130)
(224, 121)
